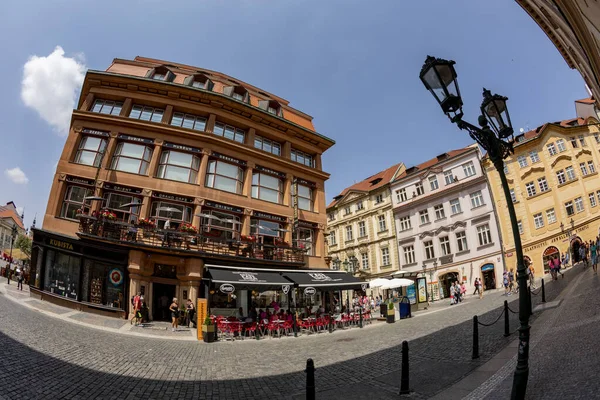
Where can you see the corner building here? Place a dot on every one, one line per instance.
(555, 188)
(169, 142)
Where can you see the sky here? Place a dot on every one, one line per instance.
(352, 65)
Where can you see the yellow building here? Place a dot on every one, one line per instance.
(555, 187)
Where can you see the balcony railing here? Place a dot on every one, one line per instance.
(171, 239)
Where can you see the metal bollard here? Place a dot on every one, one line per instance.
(295, 324)
(361, 319)
(330, 323)
(506, 321)
(530, 301)
(404, 378)
(475, 338)
(310, 380)
(543, 292)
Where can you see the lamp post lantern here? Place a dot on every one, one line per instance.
(495, 135)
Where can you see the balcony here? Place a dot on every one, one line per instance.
(185, 241)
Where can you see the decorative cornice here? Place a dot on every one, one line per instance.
(480, 219)
(453, 227)
(532, 170)
(561, 157)
(582, 152)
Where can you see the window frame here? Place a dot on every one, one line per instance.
(429, 249)
(579, 206)
(364, 259)
(154, 111)
(448, 174)
(445, 249)
(479, 196)
(265, 143)
(349, 233)
(309, 160)
(67, 201)
(409, 254)
(258, 187)
(239, 179)
(453, 203)
(561, 146)
(461, 242)
(382, 223)
(571, 175)
(440, 212)
(301, 197)
(163, 166)
(419, 188)
(433, 183)
(538, 220)
(569, 205)
(185, 216)
(469, 169)
(385, 256)
(115, 105)
(543, 184)
(99, 151)
(534, 156)
(197, 121)
(362, 229)
(551, 149)
(551, 212)
(405, 223)
(401, 195)
(530, 188)
(239, 134)
(561, 177)
(592, 198)
(143, 161)
(484, 232)
(522, 160)
(424, 216)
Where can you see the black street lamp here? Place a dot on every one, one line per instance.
(351, 264)
(431, 272)
(496, 137)
(13, 235)
(336, 263)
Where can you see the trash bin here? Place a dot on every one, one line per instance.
(383, 310)
(404, 308)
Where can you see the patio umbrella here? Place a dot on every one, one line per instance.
(208, 216)
(169, 209)
(379, 282)
(232, 221)
(396, 283)
(93, 198)
(281, 230)
(129, 205)
(261, 227)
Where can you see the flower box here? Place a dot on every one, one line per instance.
(248, 238)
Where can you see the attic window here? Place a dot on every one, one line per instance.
(411, 170)
(519, 138)
(271, 106)
(375, 181)
(237, 92)
(537, 130)
(573, 123)
(339, 196)
(442, 157)
(199, 81)
(161, 73)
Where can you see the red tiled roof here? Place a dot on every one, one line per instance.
(589, 100)
(567, 123)
(381, 178)
(10, 213)
(434, 161)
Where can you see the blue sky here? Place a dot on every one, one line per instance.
(350, 64)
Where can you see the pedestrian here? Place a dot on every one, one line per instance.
(137, 306)
(531, 274)
(480, 288)
(452, 293)
(506, 284)
(557, 268)
(463, 290)
(477, 287)
(190, 310)
(594, 254)
(582, 254)
(174, 308)
(511, 280)
(20, 279)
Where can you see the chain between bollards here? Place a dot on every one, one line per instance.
(475, 338)
(543, 292)
(404, 378)
(506, 320)
(310, 380)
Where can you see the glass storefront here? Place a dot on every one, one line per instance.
(103, 284)
(62, 274)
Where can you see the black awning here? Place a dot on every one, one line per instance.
(326, 280)
(252, 279)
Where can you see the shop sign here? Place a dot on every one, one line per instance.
(422, 290)
(411, 294)
(173, 197)
(116, 277)
(82, 181)
(135, 139)
(305, 183)
(61, 245)
(285, 289)
(536, 246)
(124, 189)
(270, 171)
(319, 277)
(227, 158)
(306, 224)
(94, 132)
(295, 205)
(182, 147)
(310, 291)
(269, 216)
(227, 288)
(223, 207)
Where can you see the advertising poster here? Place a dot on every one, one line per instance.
(411, 294)
(422, 290)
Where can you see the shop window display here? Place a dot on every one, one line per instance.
(62, 274)
(103, 284)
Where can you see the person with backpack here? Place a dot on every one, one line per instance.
(137, 307)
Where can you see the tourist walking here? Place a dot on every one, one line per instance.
(594, 255)
(505, 282)
(452, 294)
(20, 280)
(531, 277)
(174, 308)
(511, 280)
(137, 306)
(478, 288)
(190, 310)
(582, 254)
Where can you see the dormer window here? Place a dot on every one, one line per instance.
(200, 81)
(271, 106)
(161, 73)
(237, 92)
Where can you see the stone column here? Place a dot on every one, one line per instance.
(210, 124)
(88, 102)
(319, 198)
(166, 119)
(152, 169)
(197, 210)
(318, 162)
(247, 189)
(203, 166)
(246, 222)
(286, 152)
(250, 137)
(287, 190)
(320, 241)
(145, 209)
(126, 110)
(110, 150)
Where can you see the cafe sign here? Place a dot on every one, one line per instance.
(285, 289)
(182, 147)
(135, 139)
(60, 244)
(94, 132)
(223, 207)
(124, 189)
(227, 288)
(227, 158)
(310, 291)
(81, 181)
(172, 197)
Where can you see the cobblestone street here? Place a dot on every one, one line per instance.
(59, 359)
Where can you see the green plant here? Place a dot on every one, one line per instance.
(391, 306)
(207, 321)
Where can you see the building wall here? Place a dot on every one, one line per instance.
(465, 263)
(547, 234)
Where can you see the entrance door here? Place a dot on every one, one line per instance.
(489, 277)
(447, 280)
(162, 296)
(575, 244)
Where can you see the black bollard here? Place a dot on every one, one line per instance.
(475, 338)
(330, 323)
(543, 292)
(529, 301)
(404, 378)
(361, 320)
(256, 336)
(506, 322)
(310, 380)
(295, 324)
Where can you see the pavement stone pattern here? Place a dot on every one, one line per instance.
(58, 359)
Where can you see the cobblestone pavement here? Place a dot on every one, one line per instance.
(45, 357)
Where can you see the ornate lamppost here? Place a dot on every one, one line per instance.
(495, 135)
(431, 272)
(13, 235)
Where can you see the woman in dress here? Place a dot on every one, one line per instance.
(174, 308)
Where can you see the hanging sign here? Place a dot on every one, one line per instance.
(227, 158)
(116, 277)
(310, 291)
(285, 289)
(295, 204)
(227, 288)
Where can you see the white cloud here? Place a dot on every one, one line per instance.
(16, 175)
(50, 86)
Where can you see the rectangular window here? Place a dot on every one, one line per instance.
(581, 140)
(365, 260)
(484, 235)
(90, 151)
(550, 216)
(114, 201)
(146, 113)
(551, 149)
(409, 254)
(305, 198)
(419, 188)
(574, 142)
(362, 229)
(591, 167)
(62, 274)
(560, 176)
(267, 145)
(597, 137)
(401, 195)
(445, 245)
(579, 204)
(266, 229)
(359, 206)
(347, 211)
(476, 199)
(592, 199)
(560, 144)
(160, 212)
(543, 184)
(520, 226)
(439, 211)
(583, 168)
(424, 216)
(429, 252)
(303, 158)
(455, 206)
(433, 183)
(107, 107)
(178, 166)
(224, 176)
(189, 121)
(530, 187)
(331, 216)
(533, 156)
(304, 238)
(522, 160)
(538, 220)
(385, 256)
(461, 241)
(448, 177)
(570, 173)
(73, 201)
(332, 238)
(513, 196)
(569, 208)
(598, 195)
(349, 233)
(267, 187)
(132, 157)
(405, 223)
(382, 224)
(468, 169)
(379, 199)
(229, 132)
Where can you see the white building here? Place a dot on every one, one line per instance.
(445, 222)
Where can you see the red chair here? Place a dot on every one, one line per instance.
(320, 324)
(273, 327)
(251, 329)
(287, 327)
